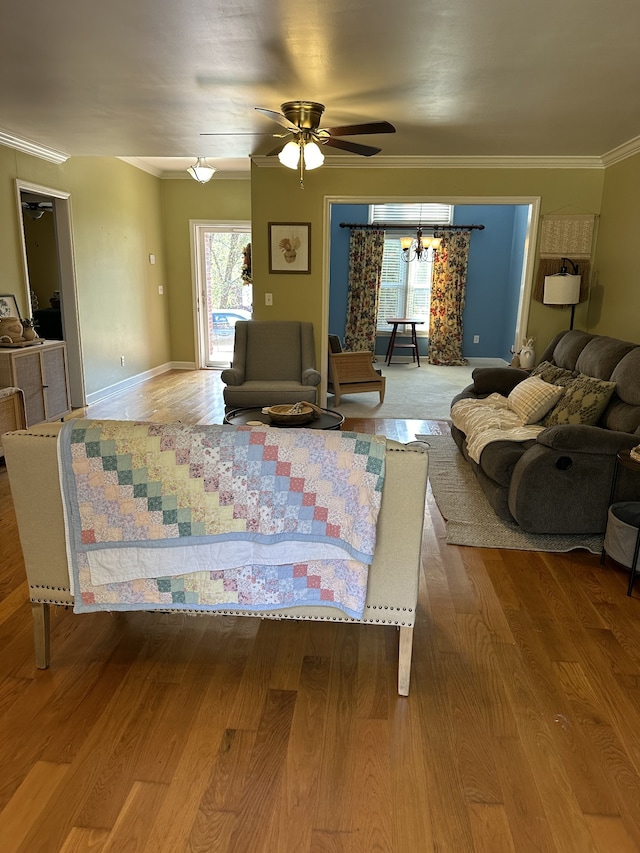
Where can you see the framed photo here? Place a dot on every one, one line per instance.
(290, 247)
(9, 306)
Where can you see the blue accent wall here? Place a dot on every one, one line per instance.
(494, 275)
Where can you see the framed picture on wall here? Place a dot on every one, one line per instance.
(9, 306)
(290, 247)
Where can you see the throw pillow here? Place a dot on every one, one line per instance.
(583, 402)
(532, 398)
(554, 374)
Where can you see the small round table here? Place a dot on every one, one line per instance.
(329, 419)
(413, 346)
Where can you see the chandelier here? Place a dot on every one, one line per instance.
(419, 248)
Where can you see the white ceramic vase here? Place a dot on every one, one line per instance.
(527, 358)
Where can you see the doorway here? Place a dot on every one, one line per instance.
(223, 292)
(54, 270)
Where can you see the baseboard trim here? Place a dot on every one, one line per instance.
(132, 381)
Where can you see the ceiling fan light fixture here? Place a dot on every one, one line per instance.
(201, 171)
(313, 156)
(34, 212)
(290, 155)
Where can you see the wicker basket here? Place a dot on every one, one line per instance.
(280, 415)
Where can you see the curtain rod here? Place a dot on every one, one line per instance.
(386, 226)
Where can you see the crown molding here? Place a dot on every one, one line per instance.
(220, 175)
(347, 161)
(140, 164)
(627, 149)
(181, 174)
(33, 148)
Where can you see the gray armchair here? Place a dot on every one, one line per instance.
(273, 363)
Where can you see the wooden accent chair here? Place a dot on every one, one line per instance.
(352, 372)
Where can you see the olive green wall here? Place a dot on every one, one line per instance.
(116, 215)
(276, 196)
(615, 297)
(222, 200)
(121, 215)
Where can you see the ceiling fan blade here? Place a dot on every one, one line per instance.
(353, 147)
(279, 118)
(355, 129)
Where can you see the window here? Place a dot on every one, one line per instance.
(405, 288)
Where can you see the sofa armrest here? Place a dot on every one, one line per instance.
(500, 380)
(581, 438)
(232, 376)
(310, 376)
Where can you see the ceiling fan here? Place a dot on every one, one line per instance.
(37, 209)
(301, 120)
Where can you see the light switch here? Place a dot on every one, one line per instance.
(152, 259)
(268, 299)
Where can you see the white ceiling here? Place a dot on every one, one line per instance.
(144, 79)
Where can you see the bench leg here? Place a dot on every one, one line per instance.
(40, 615)
(404, 660)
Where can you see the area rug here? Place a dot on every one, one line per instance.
(470, 520)
(412, 393)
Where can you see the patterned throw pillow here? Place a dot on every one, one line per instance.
(532, 398)
(554, 374)
(583, 402)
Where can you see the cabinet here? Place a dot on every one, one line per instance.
(41, 373)
(11, 412)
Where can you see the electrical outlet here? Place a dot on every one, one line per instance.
(121, 361)
(476, 339)
(268, 299)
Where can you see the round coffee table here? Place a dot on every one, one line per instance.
(329, 419)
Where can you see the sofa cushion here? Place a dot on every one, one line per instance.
(583, 402)
(601, 355)
(499, 459)
(626, 375)
(533, 398)
(554, 374)
(569, 348)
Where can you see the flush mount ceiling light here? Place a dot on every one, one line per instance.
(201, 171)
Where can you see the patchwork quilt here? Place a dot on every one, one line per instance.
(170, 516)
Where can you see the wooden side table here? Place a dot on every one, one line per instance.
(624, 460)
(413, 346)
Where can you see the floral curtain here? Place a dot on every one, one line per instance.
(365, 267)
(447, 299)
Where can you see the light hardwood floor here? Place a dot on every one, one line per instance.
(164, 733)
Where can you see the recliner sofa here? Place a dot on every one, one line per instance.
(560, 481)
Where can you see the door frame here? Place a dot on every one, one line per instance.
(528, 265)
(197, 227)
(66, 276)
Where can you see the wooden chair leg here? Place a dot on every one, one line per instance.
(382, 390)
(40, 616)
(404, 660)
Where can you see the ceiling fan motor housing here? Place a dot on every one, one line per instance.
(304, 114)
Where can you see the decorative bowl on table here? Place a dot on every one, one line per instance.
(290, 415)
